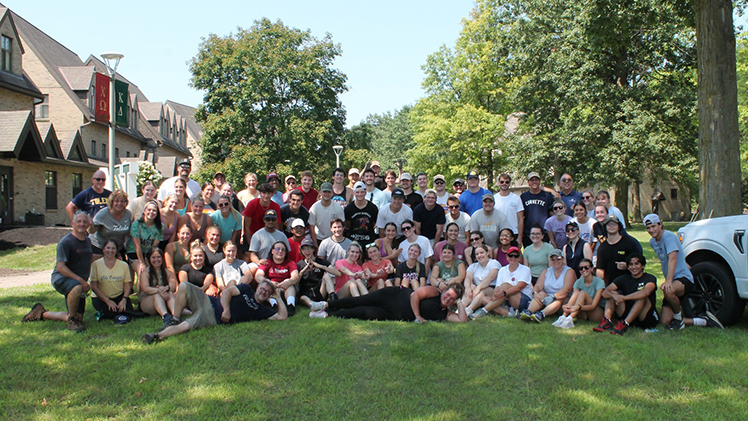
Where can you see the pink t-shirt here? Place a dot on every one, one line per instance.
(382, 264)
(459, 251)
(343, 278)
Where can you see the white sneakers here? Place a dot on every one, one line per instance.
(564, 322)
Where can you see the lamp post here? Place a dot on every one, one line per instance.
(338, 149)
(112, 61)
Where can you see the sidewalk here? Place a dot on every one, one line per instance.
(30, 278)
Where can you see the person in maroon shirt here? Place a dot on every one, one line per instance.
(310, 194)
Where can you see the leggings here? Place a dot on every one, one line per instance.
(391, 303)
(101, 306)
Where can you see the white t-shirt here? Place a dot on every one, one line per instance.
(480, 272)
(227, 272)
(321, 216)
(522, 274)
(463, 222)
(510, 205)
(167, 188)
(585, 230)
(386, 215)
(426, 249)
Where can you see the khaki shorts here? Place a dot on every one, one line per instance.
(203, 314)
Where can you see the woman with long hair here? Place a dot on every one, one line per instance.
(157, 286)
(451, 235)
(137, 205)
(183, 201)
(197, 220)
(377, 269)
(448, 270)
(169, 219)
(352, 282)
(177, 253)
(197, 272)
(387, 248)
(507, 240)
(145, 235)
(411, 273)
(477, 239)
(282, 272)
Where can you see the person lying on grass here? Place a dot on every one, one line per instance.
(238, 303)
(394, 303)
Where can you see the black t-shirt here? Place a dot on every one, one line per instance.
(244, 307)
(311, 278)
(362, 222)
(537, 208)
(212, 258)
(196, 276)
(287, 216)
(610, 254)
(626, 285)
(414, 199)
(429, 219)
(404, 272)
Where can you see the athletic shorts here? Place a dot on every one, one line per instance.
(687, 285)
(203, 311)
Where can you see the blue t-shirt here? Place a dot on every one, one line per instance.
(570, 199)
(227, 225)
(91, 202)
(537, 208)
(471, 202)
(668, 244)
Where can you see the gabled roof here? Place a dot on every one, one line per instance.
(189, 114)
(78, 78)
(100, 67)
(49, 138)
(19, 137)
(17, 83)
(151, 110)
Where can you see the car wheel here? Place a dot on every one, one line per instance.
(714, 290)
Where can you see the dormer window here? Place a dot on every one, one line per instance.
(6, 49)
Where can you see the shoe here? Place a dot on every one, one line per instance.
(291, 309)
(620, 328)
(559, 322)
(170, 320)
(568, 323)
(318, 314)
(713, 321)
(605, 324)
(99, 315)
(512, 313)
(317, 305)
(478, 314)
(675, 324)
(333, 296)
(537, 317)
(74, 324)
(150, 338)
(121, 319)
(469, 312)
(525, 316)
(35, 314)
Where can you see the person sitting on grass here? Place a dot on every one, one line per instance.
(586, 301)
(316, 276)
(393, 303)
(513, 291)
(230, 270)
(157, 285)
(632, 297)
(69, 276)
(552, 290)
(352, 282)
(449, 269)
(197, 272)
(282, 272)
(376, 268)
(238, 303)
(480, 278)
(411, 273)
(111, 285)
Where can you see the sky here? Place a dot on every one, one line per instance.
(384, 43)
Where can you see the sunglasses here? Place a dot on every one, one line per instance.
(555, 258)
(457, 185)
(566, 180)
(555, 208)
(223, 205)
(438, 182)
(279, 249)
(571, 229)
(476, 239)
(504, 181)
(454, 207)
(407, 228)
(99, 179)
(290, 182)
(587, 197)
(513, 255)
(585, 267)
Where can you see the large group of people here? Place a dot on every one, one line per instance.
(377, 248)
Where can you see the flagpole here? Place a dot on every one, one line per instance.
(110, 57)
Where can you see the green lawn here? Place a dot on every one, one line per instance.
(33, 258)
(333, 369)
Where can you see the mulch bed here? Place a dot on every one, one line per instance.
(22, 237)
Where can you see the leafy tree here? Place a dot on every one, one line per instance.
(271, 99)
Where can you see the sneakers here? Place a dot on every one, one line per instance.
(605, 324)
(317, 305)
(675, 324)
(525, 316)
(318, 314)
(537, 317)
(35, 314)
(620, 328)
(512, 313)
(478, 314)
(468, 312)
(170, 320)
(75, 323)
(568, 323)
(291, 309)
(150, 338)
(558, 322)
(333, 296)
(713, 321)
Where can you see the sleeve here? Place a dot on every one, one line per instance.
(62, 251)
(80, 199)
(399, 271)
(214, 216)
(441, 219)
(292, 266)
(417, 214)
(421, 271)
(126, 270)
(254, 242)
(94, 276)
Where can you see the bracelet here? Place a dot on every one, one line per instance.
(504, 291)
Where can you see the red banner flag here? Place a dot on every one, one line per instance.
(101, 100)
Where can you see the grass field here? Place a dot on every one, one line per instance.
(333, 369)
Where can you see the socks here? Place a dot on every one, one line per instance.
(677, 316)
(698, 321)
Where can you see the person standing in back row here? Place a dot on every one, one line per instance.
(537, 203)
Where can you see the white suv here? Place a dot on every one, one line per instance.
(716, 251)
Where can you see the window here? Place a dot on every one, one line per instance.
(77, 184)
(50, 184)
(6, 47)
(673, 193)
(127, 153)
(116, 152)
(93, 147)
(42, 109)
(103, 150)
(92, 98)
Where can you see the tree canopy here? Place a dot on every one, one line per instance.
(272, 99)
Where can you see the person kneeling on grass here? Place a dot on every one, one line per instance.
(586, 302)
(552, 289)
(393, 303)
(632, 296)
(70, 276)
(238, 303)
(513, 291)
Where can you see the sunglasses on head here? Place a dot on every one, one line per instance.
(571, 229)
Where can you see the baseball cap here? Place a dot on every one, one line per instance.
(429, 191)
(218, 173)
(488, 196)
(375, 164)
(472, 174)
(326, 186)
(513, 248)
(353, 171)
(532, 175)
(398, 192)
(652, 218)
(557, 253)
(307, 242)
(290, 177)
(270, 214)
(458, 181)
(359, 186)
(271, 176)
(185, 162)
(406, 176)
(611, 218)
(439, 177)
(297, 222)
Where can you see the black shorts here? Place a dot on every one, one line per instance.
(687, 285)
(652, 319)
(311, 291)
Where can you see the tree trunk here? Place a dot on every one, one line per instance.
(719, 148)
(636, 213)
(622, 198)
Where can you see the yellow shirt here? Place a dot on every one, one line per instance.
(111, 281)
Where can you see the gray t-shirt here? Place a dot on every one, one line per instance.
(668, 244)
(227, 272)
(489, 225)
(109, 227)
(321, 216)
(333, 251)
(76, 254)
(262, 241)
